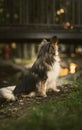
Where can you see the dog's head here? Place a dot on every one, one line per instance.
(50, 48)
(47, 56)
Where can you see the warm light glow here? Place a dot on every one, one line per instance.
(72, 67)
(62, 10)
(72, 27)
(64, 71)
(13, 45)
(67, 25)
(79, 49)
(58, 12)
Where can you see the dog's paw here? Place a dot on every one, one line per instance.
(43, 95)
(57, 90)
(31, 94)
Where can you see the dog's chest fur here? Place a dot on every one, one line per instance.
(53, 73)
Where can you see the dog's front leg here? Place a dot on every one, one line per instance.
(41, 88)
(54, 87)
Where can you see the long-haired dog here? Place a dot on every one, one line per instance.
(42, 76)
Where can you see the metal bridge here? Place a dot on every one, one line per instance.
(24, 33)
(28, 20)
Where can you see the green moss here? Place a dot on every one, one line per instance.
(62, 112)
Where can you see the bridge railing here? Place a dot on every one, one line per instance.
(24, 32)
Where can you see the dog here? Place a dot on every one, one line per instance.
(41, 77)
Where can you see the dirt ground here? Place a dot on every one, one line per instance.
(18, 109)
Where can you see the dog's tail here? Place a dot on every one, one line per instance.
(7, 93)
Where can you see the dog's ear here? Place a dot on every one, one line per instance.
(54, 40)
(44, 42)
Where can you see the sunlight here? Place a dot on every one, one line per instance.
(66, 71)
(73, 68)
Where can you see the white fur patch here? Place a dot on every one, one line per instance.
(7, 93)
(53, 74)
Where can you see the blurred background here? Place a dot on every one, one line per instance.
(24, 23)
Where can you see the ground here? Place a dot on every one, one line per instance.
(31, 112)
